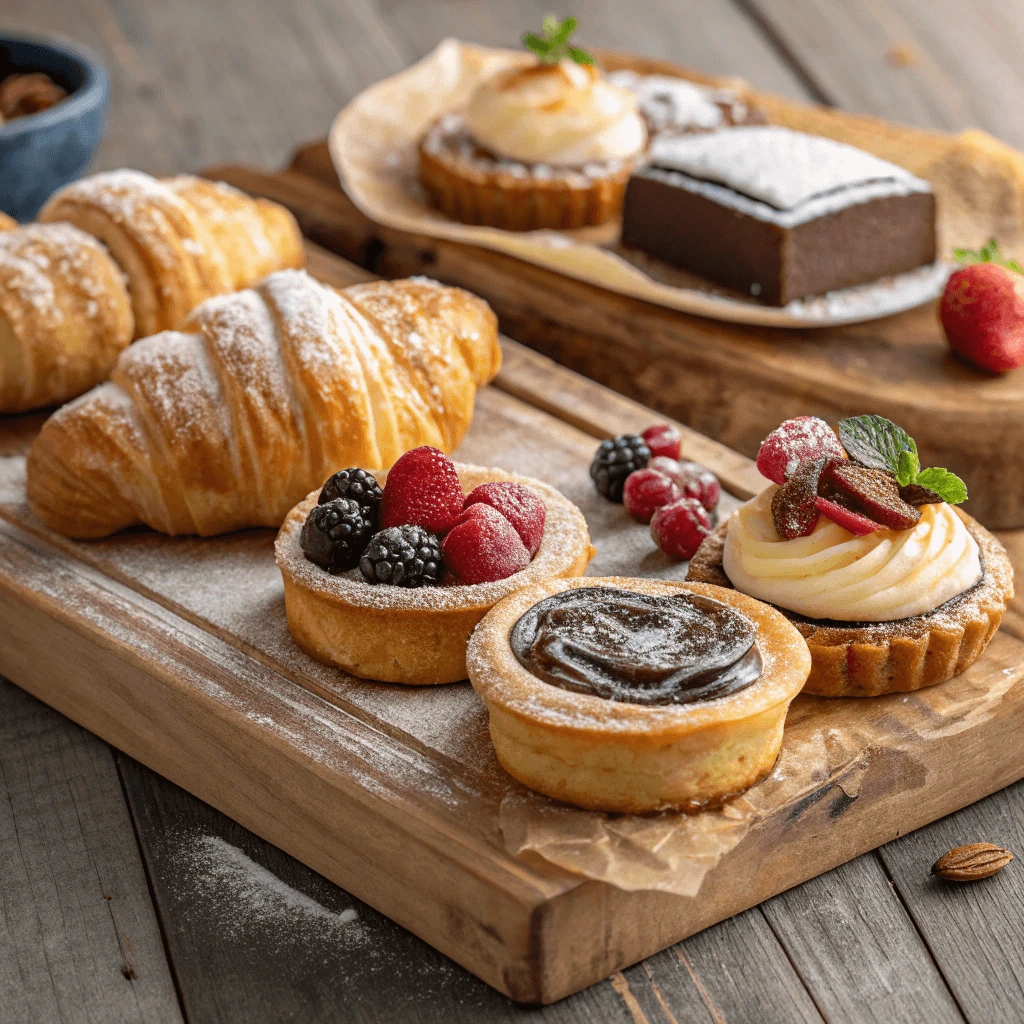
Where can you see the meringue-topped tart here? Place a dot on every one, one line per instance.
(634, 695)
(892, 586)
(548, 143)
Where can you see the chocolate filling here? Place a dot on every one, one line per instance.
(638, 648)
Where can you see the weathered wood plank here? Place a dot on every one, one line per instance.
(857, 950)
(931, 63)
(79, 940)
(975, 931)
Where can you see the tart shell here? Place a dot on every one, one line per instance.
(615, 756)
(479, 191)
(418, 637)
(872, 658)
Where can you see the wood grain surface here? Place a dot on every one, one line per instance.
(197, 83)
(184, 661)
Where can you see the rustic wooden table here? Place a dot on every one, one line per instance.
(123, 898)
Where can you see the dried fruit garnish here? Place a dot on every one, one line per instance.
(857, 524)
(876, 493)
(802, 439)
(972, 862)
(915, 494)
(794, 508)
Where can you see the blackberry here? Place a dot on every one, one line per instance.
(335, 534)
(615, 460)
(404, 556)
(357, 485)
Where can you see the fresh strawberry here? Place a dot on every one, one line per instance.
(680, 528)
(982, 310)
(521, 506)
(852, 521)
(482, 546)
(802, 439)
(646, 490)
(663, 439)
(422, 489)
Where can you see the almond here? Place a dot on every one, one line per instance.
(972, 862)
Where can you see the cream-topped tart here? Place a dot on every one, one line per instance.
(548, 143)
(892, 587)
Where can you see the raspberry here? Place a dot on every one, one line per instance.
(663, 439)
(794, 504)
(614, 460)
(645, 491)
(482, 546)
(803, 439)
(422, 489)
(520, 505)
(692, 479)
(857, 524)
(680, 528)
(876, 493)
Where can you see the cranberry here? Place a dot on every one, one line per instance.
(646, 491)
(663, 439)
(678, 529)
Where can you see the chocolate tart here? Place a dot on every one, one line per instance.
(866, 659)
(613, 754)
(473, 186)
(418, 637)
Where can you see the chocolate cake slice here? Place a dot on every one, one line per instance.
(777, 214)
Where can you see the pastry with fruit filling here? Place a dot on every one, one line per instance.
(635, 695)
(388, 582)
(891, 585)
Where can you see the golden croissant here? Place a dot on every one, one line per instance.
(257, 399)
(64, 315)
(178, 240)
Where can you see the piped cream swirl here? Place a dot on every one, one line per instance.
(833, 574)
(563, 114)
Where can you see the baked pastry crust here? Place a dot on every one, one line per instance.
(873, 658)
(64, 315)
(179, 240)
(472, 186)
(615, 756)
(417, 637)
(260, 397)
(7, 223)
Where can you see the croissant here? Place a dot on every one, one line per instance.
(257, 399)
(179, 240)
(64, 315)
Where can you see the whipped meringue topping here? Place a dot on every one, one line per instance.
(833, 574)
(563, 114)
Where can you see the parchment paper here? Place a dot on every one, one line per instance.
(373, 145)
(828, 742)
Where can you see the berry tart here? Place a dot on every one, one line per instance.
(388, 582)
(891, 585)
(546, 143)
(635, 695)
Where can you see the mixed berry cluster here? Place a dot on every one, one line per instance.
(867, 477)
(422, 526)
(643, 472)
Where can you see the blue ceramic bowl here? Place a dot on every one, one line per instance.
(41, 152)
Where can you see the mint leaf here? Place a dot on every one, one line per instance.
(552, 45)
(907, 468)
(988, 253)
(946, 485)
(875, 442)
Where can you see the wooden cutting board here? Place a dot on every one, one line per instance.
(732, 382)
(176, 651)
